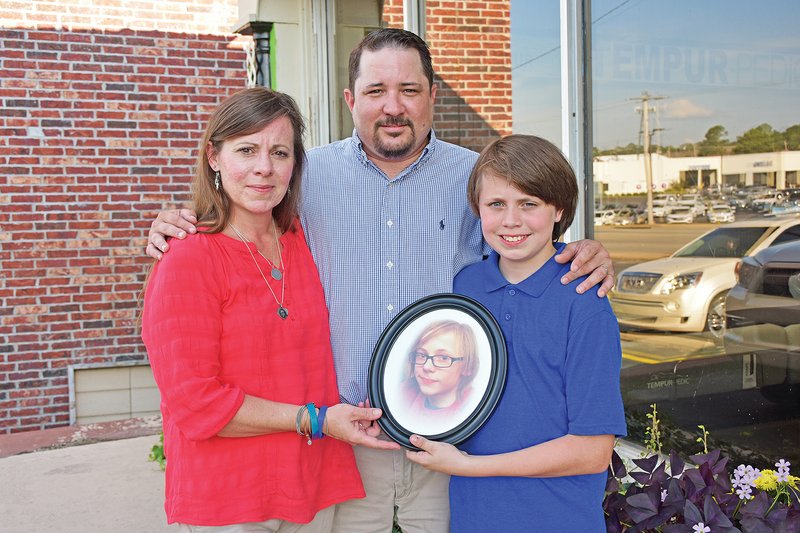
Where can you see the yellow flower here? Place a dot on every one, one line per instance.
(767, 481)
(793, 481)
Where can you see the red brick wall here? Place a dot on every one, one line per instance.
(470, 44)
(189, 16)
(99, 121)
(98, 131)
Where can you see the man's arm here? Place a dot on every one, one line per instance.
(588, 258)
(172, 223)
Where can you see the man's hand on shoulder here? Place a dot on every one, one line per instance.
(588, 258)
(171, 223)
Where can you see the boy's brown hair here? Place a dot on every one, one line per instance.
(533, 165)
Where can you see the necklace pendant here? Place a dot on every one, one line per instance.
(282, 312)
(276, 274)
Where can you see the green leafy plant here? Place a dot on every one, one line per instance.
(703, 438)
(157, 453)
(653, 431)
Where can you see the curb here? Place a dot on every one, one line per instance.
(62, 437)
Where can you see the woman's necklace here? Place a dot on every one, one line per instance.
(282, 311)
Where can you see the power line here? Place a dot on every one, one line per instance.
(595, 21)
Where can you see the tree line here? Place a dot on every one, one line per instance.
(760, 139)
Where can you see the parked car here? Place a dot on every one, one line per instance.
(719, 213)
(603, 217)
(680, 215)
(661, 208)
(767, 290)
(624, 216)
(686, 291)
(666, 197)
(764, 203)
(763, 320)
(788, 207)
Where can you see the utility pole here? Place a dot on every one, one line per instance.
(647, 134)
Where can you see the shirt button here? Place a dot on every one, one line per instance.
(512, 292)
(389, 265)
(508, 316)
(390, 307)
(389, 223)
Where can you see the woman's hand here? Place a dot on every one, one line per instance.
(172, 223)
(588, 257)
(352, 425)
(371, 427)
(439, 456)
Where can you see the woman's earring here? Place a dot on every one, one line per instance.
(216, 180)
(288, 191)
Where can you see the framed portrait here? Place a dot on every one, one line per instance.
(438, 370)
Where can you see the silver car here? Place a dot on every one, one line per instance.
(686, 291)
(681, 215)
(720, 213)
(764, 321)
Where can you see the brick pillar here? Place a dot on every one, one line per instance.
(470, 44)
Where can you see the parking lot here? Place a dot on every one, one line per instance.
(690, 376)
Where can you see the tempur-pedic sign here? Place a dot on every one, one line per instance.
(620, 61)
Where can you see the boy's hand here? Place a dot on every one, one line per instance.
(172, 223)
(588, 257)
(439, 456)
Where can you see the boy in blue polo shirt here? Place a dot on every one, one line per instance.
(539, 462)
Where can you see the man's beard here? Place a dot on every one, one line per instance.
(394, 152)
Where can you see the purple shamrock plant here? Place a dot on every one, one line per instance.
(669, 497)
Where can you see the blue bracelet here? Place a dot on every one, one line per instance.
(321, 417)
(312, 418)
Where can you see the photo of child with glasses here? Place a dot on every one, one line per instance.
(441, 367)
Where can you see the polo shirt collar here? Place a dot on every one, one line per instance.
(358, 149)
(534, 285)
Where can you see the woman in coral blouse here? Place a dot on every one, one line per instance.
(236, 329)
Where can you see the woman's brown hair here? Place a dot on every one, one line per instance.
(245, 113)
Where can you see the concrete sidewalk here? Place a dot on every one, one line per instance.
(101, 487)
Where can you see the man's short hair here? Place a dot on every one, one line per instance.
(390, 38)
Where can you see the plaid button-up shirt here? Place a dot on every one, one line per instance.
(380, 244)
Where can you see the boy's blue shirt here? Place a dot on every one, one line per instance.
(563, 378)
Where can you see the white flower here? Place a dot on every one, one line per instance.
(744, 492)
(701, 528)
(783, 464)
(745, 476)
(782, 476)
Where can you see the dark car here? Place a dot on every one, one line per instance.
(763, 320)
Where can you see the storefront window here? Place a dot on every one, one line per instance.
(704, 92)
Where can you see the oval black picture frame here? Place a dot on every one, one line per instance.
(389, 355)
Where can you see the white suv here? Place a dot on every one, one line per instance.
(686, 291)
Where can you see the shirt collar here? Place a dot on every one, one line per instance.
(534, 285)
(358, 149)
